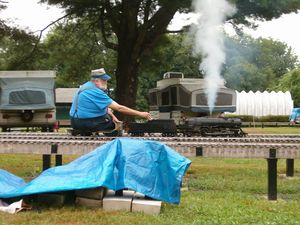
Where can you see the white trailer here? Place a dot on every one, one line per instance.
(27, 99)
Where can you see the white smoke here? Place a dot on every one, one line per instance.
(209, 42)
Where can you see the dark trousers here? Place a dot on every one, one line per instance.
(101, 123)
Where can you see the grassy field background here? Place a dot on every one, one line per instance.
(220, 191)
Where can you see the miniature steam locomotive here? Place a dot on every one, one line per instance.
(194, 126)
(179, 105)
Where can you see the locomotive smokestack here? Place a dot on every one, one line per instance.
(208, 41)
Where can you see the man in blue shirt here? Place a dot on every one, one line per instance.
(91, 109)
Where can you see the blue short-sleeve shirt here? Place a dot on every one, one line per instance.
(92, 102)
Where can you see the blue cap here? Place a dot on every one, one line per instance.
(100, 73)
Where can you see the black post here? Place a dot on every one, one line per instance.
(289, 167)
(46, 162)
(58, 160)
(272, 175)
(54, 148)
(199, 151)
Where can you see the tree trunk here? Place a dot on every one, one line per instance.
(133, 40)
(127, 80)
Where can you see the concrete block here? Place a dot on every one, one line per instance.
(51, 199)
(112, 203)
(126, 193)
(91, 203)
(138, 195)
(151, 207)
(92, 193)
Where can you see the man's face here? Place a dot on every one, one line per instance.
(102, 84)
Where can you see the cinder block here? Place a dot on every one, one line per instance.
(111, 203)
(151, 207)
(126, 193)
(92, 193)
(138, 195)
(51, 199)
(92, 203)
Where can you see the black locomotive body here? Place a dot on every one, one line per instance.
(163, 127)
(194, 126)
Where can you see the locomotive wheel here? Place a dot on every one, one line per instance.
(189, 134)
(114, 133)
(135, 134)
(172, 134)
(204, 131)
(236, 133)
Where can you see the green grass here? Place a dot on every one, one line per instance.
(221, 191)
(272, 130)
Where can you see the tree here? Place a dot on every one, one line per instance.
(291, 82)
(71, 52)
(3, 26)
(15, 44)
(256, 64)
(172, 53)
(132, 27)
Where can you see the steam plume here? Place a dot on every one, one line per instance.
(208, 40)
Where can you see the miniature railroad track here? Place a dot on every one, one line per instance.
(257, 138)
(252, 146)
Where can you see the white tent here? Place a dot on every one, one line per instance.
(264, 103)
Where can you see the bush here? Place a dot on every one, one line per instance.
(269, 118)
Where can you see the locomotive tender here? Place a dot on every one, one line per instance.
(180, 104)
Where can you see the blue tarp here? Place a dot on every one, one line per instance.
(9, 182)
(148, 167)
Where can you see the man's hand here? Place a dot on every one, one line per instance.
(146, 115)
(116, 120)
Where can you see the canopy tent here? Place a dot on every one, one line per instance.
(148, 167)
(27, 90)
(264, 103)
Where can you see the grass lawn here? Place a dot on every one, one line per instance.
(272, 130)
(221, 191)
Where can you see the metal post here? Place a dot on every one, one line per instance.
(46, 162)
(54, 148)
(199, 151)
(272, 175)
(289, 167)
(58, 160)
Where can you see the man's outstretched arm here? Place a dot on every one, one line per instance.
(128, 111)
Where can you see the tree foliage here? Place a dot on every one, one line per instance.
(291, 82)
(256, 64)
(15, 46)
(73, 49)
